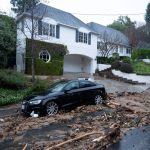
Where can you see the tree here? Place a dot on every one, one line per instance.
(7, 38)
(20, 6)
(31, 24)
(126, 26)
(107, 43)
(147, 15)
(117, 25)
(147, 19)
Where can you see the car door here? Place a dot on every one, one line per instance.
(87, 91)
(71, 94)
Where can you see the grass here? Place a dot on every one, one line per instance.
(15, 86)
(141, 68)
(8, 96)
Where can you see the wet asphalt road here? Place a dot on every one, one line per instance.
(135, 139)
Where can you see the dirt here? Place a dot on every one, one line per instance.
(129, 111)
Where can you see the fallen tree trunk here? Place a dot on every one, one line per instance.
(72, 140)
(109, 137)
(112, 132)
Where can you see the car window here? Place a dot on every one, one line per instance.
(84, 84)
(57, 87)
(72, 85)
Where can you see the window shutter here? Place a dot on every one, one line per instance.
(89, 38)
(40, 27)
(57, 31)
(77, 36)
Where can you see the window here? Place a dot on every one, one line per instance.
(45, 56)
(121, 49)
(72, 86)
(83, 37)
(84, 84)
(46, 29)
(52, 30)
(128, 51)
(116, 48)
(80, 37)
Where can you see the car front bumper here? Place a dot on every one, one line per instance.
(27, 108)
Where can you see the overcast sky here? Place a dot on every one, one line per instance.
(99, 7)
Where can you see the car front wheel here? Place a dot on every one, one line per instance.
(98, 99)
(51, 108)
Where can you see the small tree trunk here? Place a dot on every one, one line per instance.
(32, 48)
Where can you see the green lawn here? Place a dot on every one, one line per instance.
(8, 96)
(141, 68)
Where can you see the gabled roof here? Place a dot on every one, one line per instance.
(100, 29)
(59, 16)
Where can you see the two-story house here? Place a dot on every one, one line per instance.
(57, 26)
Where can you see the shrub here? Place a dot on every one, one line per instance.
(12, 80)
(8, 96)
(116, 65)
(115, 56)
(140, 54)
(105, 60)
(40, 85)
(127, 68)
(126, 59)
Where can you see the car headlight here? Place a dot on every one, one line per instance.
(35, 102)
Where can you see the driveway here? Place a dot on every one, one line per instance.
(113, 86)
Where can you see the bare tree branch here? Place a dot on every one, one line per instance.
(107, 43)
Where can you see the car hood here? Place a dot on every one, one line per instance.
(41, 96)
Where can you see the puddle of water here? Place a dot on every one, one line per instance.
(135, 139)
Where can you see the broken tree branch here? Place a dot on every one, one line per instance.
(72, 140)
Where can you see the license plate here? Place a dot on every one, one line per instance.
(23, 107)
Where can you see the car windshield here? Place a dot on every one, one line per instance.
(57, 87)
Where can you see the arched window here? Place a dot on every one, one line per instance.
(45, 56)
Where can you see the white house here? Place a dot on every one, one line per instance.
(57, 26)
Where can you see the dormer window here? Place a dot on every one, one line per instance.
(83, 37)
(46, 29)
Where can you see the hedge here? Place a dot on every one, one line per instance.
(140, 54)
(105, 60)
(54, 67)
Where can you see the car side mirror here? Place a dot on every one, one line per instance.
(66, 91)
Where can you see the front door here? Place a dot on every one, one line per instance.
(71, 94)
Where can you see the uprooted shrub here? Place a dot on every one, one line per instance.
(116, 65)
(125, 67)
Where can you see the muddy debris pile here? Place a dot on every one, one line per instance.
(86, 127)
